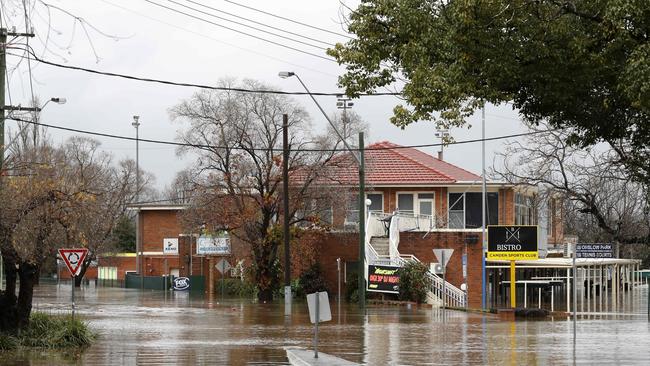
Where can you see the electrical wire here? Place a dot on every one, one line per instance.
(288, 19)
(217, 40)
(259, 23)
(242, 32)
(167, 82)
(248, 26)
(205, 146)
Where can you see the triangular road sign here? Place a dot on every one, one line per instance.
(443, 255)
(73, 258)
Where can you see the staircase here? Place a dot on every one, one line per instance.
(381, 246)
(383, 251)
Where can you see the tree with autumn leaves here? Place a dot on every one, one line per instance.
(236, 179)
(71, 195)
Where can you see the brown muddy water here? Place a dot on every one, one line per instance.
(154, 328)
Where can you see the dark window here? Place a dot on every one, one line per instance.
(473, 204)
(405, 202)
(377, 202)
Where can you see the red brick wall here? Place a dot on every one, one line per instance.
(422, 248)
(156, 226)
(335, 245)
(123, 264)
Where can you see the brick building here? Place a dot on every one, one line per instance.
(417, 203)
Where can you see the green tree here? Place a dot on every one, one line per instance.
(583, 64)
(414, 282)
(124, 234)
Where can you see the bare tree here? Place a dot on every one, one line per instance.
(602, 199)
(238, 174)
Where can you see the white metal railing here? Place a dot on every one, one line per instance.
(374, 227)
(415, 222)
(393, 238)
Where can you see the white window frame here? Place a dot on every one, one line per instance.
(416, 200)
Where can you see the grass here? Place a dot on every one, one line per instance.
(51, 332)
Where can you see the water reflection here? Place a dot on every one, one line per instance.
(183, 329)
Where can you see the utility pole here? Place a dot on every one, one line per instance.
(138, 238)
(483, 236)
(362, 225)
(285, 199)
(3, 107)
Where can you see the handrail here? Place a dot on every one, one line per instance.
(453, 295)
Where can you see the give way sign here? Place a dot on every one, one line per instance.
(73, 258)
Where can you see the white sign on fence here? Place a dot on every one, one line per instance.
(170, 246)
(211, 245)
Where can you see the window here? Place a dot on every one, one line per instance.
(377, 202)
(405, 203)
(318, 211)
(456, 211)
(524, 210)
(467, 207)
(425, 204)
(352, 212)
(550, 225)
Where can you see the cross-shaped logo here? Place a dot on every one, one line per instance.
(512, 233)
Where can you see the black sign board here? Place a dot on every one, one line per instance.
(512, 242)
(181, 283)
(383, 279)
(594, 251)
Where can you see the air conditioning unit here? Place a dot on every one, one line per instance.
(436, 268)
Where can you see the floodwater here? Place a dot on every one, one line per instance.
(154, 328)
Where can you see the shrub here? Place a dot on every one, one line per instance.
(414, 282)
(8, 342)
(312, 280)
(55, 331)
(236, 287)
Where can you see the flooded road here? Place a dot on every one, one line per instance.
(153, 328)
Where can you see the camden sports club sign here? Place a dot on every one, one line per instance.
(383, 279)
(517, 242)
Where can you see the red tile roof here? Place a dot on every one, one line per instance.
(391, 164)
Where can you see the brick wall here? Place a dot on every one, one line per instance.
(157, 225)
(422, 248)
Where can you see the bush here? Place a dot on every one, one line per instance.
(50, 331)
(312, 280)
(414, 282)
(8, 342)
(236, 287)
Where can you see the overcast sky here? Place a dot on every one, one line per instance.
(154, 42)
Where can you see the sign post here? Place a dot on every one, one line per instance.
(223, 266)
(319, 311)
(443, 256)
(586, 251)
(516, 242)
(73, 258)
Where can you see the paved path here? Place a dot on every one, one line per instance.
(304, 357)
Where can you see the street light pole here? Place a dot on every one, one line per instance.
(362, 208)
(138, 239)
(285, 201)
(483, 238)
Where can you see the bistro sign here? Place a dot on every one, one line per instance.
(516, 242)
(383, 279)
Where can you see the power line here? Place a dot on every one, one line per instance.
(217, 40)
(288, 19)
(248, 26)
(184, 144)
(256, 22)
(167, 82)
(242, 32)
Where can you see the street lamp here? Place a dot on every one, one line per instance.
(442, 134)
(344, 102)
(138, 240)
(362, 209)
(28, 109)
